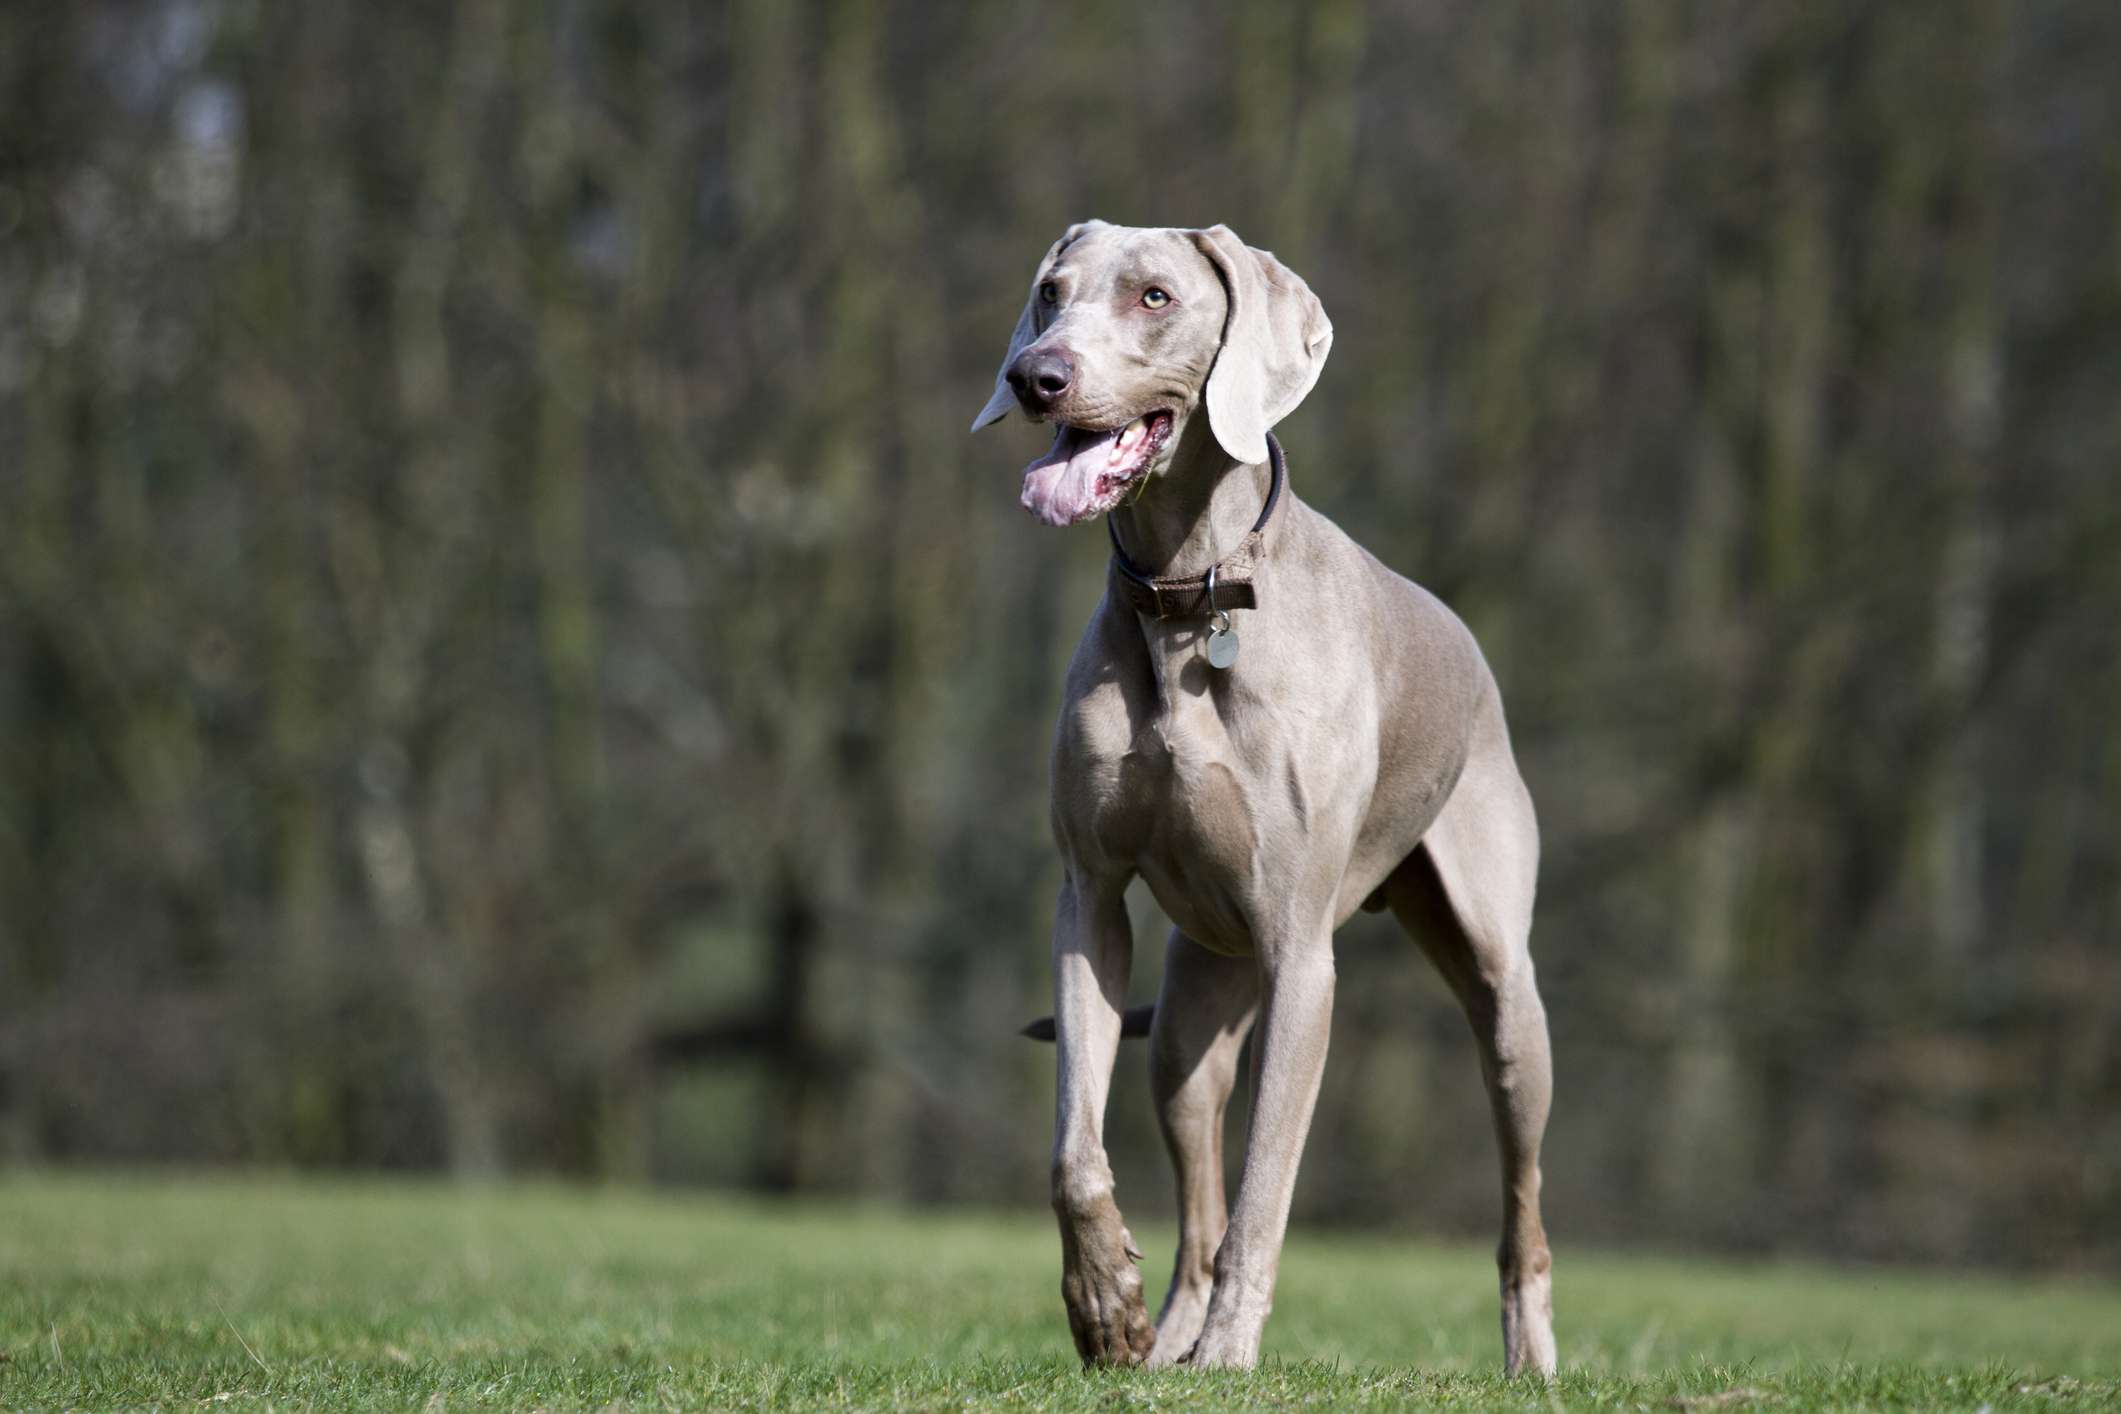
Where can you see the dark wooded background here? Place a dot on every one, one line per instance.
(510, 661)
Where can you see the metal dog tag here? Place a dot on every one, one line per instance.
(1222, 641)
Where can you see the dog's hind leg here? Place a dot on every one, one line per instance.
(1202, 1016)
(1466, 896)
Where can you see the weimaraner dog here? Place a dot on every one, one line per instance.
(1353, 754)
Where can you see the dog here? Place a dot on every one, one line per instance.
(1273, 730)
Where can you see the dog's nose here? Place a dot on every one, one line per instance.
(1041, 377)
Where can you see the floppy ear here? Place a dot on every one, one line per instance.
(1026, 330)
(1275, 340)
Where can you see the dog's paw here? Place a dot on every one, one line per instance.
(1528, 1325)
(1178, 1328)
(1102, 1288)
(1218, 1350)
(1229, 1340)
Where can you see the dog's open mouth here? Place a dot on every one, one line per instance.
(1088, 473)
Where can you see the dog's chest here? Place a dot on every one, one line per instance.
(1181, 806)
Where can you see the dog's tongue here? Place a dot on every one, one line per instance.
(1074, 480)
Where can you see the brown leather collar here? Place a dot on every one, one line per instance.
(1188, 598)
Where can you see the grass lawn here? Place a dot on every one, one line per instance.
(148, 1290)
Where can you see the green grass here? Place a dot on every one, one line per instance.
(129, 1291)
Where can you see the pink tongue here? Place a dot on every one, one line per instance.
(1061, 487)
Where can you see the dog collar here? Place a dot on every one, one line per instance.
(1185, 598)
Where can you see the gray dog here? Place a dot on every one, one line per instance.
(1352, 754)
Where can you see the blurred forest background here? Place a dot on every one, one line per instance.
(510, 662)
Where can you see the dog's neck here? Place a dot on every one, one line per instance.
(1198, 510)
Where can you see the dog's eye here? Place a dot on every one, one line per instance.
(1154, 298)
(1049, 292)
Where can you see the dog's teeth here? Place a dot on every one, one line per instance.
(1134, 432)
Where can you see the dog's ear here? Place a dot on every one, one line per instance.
(1026, 330)
(1275, 340)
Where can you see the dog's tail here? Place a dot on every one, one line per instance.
(1134, 1021)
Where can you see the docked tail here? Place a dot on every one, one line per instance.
(1134, 1021)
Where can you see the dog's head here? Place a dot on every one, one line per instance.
(1129, 332)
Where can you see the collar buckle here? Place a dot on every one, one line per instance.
(1195, 590)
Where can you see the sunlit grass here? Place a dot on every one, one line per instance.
(127, 1291)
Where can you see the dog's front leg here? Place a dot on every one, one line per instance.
(1297, 979)
(1093, 947)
